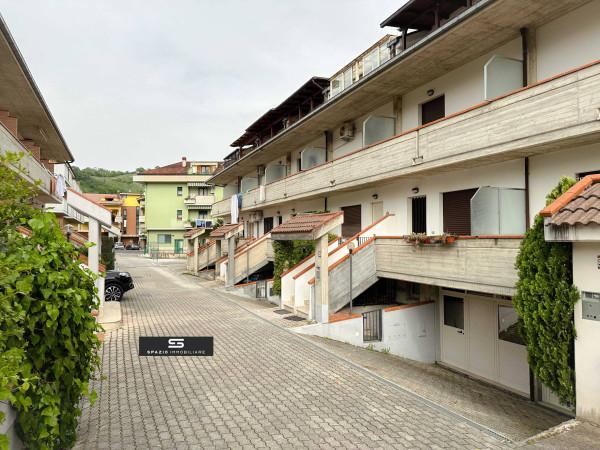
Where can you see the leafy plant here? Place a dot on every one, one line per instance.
(545, 302)
(48, 343)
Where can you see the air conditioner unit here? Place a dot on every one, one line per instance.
(347, 131)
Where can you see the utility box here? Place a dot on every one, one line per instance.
(590, 302)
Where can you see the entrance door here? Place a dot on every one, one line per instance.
(376, 211)
(352, 222)
(178, 246)
(419, 214)
(454, 345)
(268, 224)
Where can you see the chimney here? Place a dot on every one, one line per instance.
(183, 161)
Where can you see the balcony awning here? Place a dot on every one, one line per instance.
(197, 184)
(199, 206)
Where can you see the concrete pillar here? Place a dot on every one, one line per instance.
(322, 280)
(195, 241)
(230, 262)
(94, 252)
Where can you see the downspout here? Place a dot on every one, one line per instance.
(525, 56)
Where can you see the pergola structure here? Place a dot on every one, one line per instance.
(314, 227)
(228, 233)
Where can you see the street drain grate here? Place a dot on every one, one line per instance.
(281, 311)
(294, 318)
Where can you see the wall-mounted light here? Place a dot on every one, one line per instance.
(278, 213)
(415, 190)
(375, 196)
(293, 210)
(430, 92)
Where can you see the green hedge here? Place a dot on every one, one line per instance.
(545, 302)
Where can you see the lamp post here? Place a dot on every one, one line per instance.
(350, 248)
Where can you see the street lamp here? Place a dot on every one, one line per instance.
(351, 246)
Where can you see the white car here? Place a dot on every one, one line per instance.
(119, 246)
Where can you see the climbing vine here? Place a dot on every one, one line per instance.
(545, 302)
(48, 337)
(287, 254)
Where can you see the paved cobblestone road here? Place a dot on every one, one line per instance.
(264, 388)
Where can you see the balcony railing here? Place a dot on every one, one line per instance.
(34, 169)
(221, 208)
(199, 200)
(554, 114)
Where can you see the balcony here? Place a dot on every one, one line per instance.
(221, 208)
(34, 169)
(551, 115)
(199, 201)
(482, 264)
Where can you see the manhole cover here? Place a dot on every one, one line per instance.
(294, 318)
(282, 311)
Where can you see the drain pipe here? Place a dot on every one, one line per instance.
(525, 56)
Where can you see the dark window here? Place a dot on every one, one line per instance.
(279, 220)
(433, 110)
(352, 222)
(454, 315)
(179, 191)
(179, 214)
(268, 224)
(299, 164)
(414, 291)
(457, 212)
(419, 215)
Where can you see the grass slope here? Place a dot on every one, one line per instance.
(92, 179)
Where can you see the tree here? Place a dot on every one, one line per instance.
(545, 302)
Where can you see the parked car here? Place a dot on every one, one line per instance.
(119, 246)
(132, 247)
(116, 283)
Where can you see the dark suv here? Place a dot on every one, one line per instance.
(116, 283)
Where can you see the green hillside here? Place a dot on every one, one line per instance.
(93, 179)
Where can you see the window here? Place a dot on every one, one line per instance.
(414, 291)
(336, 85)
(508, 325)
(179, 191)
(347, 78)
(179, 214)
(371, 61)
(279, 220)
(419, 214)
(124, 213)
(457, 212)
(433, 110)
(454, 312)
(164, 239)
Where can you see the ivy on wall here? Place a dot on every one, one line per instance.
(287, 254)
(48, 343)
(545, 302)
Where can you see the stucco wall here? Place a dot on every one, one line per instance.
(586, 276)
(162, 204)
(408, 332)
(569, 41)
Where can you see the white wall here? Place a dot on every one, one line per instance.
(463, 87)
(546, 170)
(408, 332)
(569, 41)
(586, 276)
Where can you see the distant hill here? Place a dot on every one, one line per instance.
(93, 179)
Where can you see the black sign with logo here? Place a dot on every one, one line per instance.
(176, 346)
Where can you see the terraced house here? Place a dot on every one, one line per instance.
(176, 199)
(439, 143)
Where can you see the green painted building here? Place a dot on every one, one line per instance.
(176, 199)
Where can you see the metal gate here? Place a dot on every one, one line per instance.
(261, 289)
(372, 326)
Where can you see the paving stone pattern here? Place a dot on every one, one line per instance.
(264, 388)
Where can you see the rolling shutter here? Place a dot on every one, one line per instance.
(352, 223)
(457, 212)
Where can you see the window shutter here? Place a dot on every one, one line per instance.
(457, 212)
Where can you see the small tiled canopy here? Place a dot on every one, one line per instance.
(193, 233)
(581, 209)
(307, 227)
(227, 230)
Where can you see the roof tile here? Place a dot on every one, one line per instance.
(583, 209)
(305, 223)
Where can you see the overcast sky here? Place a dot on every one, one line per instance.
(142, 82)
